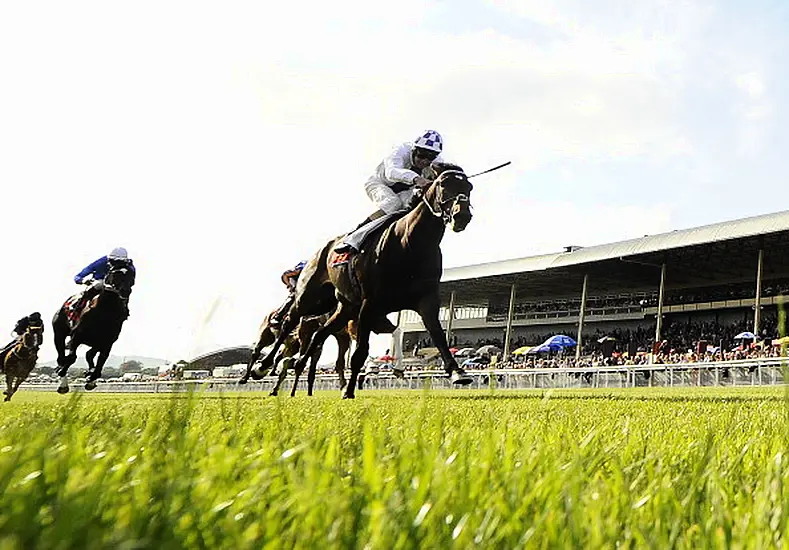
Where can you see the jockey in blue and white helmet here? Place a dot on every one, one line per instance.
(391, 186)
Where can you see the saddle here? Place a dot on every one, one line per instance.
(76, 308)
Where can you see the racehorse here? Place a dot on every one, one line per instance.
(296, 342)
(17, 362)
(399, 267)
(98, 326)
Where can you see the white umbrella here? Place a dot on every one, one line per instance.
(745, 336)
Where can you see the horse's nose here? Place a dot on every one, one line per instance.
(461, 218)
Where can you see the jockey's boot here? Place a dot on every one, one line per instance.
(372, 217)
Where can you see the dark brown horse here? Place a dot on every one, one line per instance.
(98, 326)
(296, 342)
(398, 268)
(20, 360)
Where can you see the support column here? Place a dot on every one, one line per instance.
(659, 318)
(581, 315)
(508, 333)
(397, 341)
(450, 317)
(757, 310)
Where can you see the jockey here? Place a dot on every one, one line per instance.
(32, 320)
(392, 185)
(289, 279)
(94, 274)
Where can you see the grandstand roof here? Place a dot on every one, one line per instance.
(720, 252)
(222, 358)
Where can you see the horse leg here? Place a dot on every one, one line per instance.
(267, 363)
(65, 361)
(60, 329)
(90, 375)
(96, 370)
(428, 310)
(9, 382)
(312, 372)
(313, 359)
(283, 354)
(343, 344)
(360, 354)
(307, 329)
(282, 374)
(339, 318)
(17, 383)
(265, 338)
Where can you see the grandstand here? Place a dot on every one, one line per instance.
(681, 287)
(221, 358)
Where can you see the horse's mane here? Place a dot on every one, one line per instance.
(439, 167)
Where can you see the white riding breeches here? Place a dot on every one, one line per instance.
(386, 199)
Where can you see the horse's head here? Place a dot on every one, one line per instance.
(33, 336)
(449, 195)
(120, 279)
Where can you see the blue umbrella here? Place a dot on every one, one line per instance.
(542, 348)
(745, 336)
(559, 341)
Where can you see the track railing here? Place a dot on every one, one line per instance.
(746, 372)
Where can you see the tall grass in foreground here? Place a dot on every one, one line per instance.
(657, 468)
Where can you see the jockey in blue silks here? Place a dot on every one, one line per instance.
(93, 275)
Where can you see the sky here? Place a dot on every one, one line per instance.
(223, 142)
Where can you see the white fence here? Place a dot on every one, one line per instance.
(751, 372)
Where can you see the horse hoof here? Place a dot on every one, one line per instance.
(256, 374)
(63, 389)
(90, 385)
(348, 396)
(272, 394)
(242, 381)
(461, 379)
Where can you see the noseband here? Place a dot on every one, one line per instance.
(443, 212)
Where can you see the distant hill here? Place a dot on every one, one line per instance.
(114, 361)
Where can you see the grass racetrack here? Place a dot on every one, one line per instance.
(660, 468)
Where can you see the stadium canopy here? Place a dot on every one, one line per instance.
(708, 255)
(221, 358)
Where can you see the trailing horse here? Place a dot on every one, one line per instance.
(296, 342)
(399, 267)
(20, 360)
(97, 326)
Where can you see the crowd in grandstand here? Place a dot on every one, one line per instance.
(682, 341)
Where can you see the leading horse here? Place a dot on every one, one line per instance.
(20, 360)
(399, 267)
(98, 326)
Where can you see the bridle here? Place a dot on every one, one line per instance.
(118, 288)
(34, 331)
(443, 212)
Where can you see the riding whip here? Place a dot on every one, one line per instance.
(491, 169)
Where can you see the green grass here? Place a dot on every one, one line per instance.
(632, 468)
